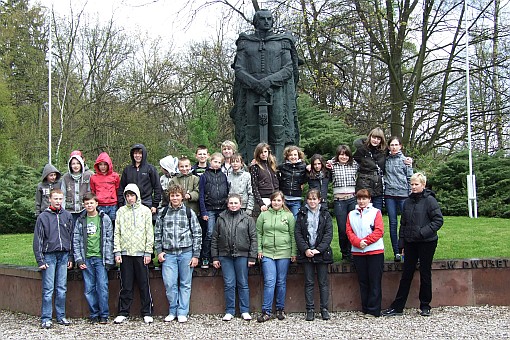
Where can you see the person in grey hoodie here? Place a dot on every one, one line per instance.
(50, 179)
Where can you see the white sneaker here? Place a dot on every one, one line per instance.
(228, 317)
(148, 319)
(182, 318)
(120, 319)
(246, 316)
(170, 317)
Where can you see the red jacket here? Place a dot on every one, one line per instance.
(105, 185)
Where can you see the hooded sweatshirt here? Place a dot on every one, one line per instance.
(75, 186)
(42, 194)
(134, 234)
(105, 186)
(145, 176)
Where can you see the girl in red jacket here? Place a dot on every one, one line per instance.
(105, 183)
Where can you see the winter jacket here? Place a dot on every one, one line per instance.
(105, 186)
(291, 177)
(366, 224)
(275, 234)
(371, 163)
(322, 243)
(80, 239)
(421, 218)
(190, 183)
(134, 233)
(320, 181)
(42, 194)
(176, 234)
(263, 182)
(397, 176)
(53, 232)
(234, 235)
(213, 187)
(74, 189)
(146, 177)
(240, 183)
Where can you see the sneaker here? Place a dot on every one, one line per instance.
(120, 319)
(310, 315)
(182, 318)
(205, 264)
(263, 317)
(63, 322)
(280, 314)
(148, 319)
(228, 317)
(398, 258)
(391, 312)
(94, 320)
(46, 325)
(246, 316)
(425, 311)
(325, 314)
(103, 320)
(170, 317)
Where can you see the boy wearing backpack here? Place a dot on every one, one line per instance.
(178, 238)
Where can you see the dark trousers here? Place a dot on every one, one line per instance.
(342, 209)
(132, 268)
(322, 280)
(370, 270)
(423, 251)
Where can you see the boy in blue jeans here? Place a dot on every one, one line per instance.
(93, 254)
(52, 249)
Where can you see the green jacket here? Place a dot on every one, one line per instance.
(190, 185)
(275, 234)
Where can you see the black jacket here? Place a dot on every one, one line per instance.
(323, 240)
(371, 163)
(234, 235)
(421, 219)
(146, 177)
(291, 176)
(213, 190)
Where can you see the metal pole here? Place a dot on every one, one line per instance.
(49, 90)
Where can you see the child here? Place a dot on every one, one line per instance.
(228, 148)
(75, 184)
(234, 249)
(202, 155)
(314, 233)
(240, 183)
(177, 243)
(105, 183)
(93, 254)
(50, 180)
(213, 187)
(132, 246)
(169, 168)
(263, 178)
(319, 177)
(365, 230)
(292, 176)
(189, 183)
(52, 249)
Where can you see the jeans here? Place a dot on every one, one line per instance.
(293, 206)
(110, 210)
(95, 279)
(370, 271)
(177, 275)
(342, 209)
(423, 251)
(54, 278)
(207, 236)
(235, 273)
(322, 280)
(275, 275)
(377, 202)
(393, 206)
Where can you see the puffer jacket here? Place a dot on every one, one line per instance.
(234, 235)
(421, 218)
(213, 188)
(240, 183)
(323, 240)
(80, 239)
(275, 234)
(291, 177)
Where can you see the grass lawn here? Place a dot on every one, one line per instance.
(460, 237)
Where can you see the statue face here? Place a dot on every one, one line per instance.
(264, 21)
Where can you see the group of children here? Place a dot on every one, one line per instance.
(218, 211)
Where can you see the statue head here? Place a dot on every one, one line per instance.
(263, 20)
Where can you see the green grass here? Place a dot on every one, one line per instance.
(460, 237)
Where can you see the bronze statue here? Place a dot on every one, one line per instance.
(265, 88)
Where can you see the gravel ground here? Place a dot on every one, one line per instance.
(485, 322)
